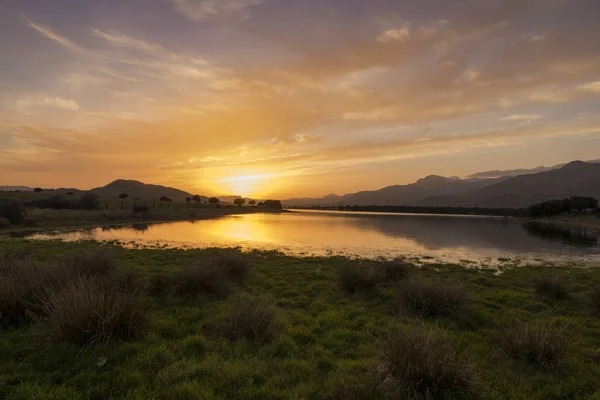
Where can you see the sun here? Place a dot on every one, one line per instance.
(247, 185)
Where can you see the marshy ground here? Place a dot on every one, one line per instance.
(91, 321)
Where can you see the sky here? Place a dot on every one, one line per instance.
(293, 98)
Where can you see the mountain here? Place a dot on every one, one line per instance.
(140, 190)
(573, 179)
(576, 178)
(517, 172)
(433, 185)
(13, 188)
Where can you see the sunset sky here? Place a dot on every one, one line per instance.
(290, 98)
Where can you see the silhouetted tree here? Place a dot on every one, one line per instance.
(197, 198)
(252, 203)
(261, 204)
(273, 204)
(165, 198)
(70, 194)
(188, 200)
(12, 210)
(37, 190)
(239, 202)
(214, 200)
(123, 196)
(89, 201)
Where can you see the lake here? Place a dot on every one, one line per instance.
(444, 238)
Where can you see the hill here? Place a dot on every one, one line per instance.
(410, 194)
(140, 190)
(13, 188)
(577, 178)
(573, 179)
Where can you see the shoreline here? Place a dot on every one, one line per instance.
(65, 219)
(581, 223)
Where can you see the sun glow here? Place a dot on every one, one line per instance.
(248, 185)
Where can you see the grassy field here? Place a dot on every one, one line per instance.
(218, 324)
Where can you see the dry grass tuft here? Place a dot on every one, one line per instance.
(424, 364)
(551, 287)
(537, 342)
(250, 318)
(359, 276)
(432, 300)
(93, 310)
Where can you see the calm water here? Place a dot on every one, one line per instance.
(448, 238)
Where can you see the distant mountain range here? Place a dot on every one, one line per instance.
(577, 178)
(494, 189)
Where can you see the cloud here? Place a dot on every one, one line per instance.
(523, 117)
(209, 9)
(120, 39)
(592, 87)
(27, 103)
(398, 34)
(48, 33)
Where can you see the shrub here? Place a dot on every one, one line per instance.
(236, 266)
(90, 264)
(4, 223)
(162, 285)
(140, 208)
(89, 201)
(22, 285)
(551, 287)
(12, 210)
(249, 318)
(594, 299)
(425, 364)
(92, 310)
(395, 270)
(199, 279)
(359, 277)
(538, 342)
(432, 300)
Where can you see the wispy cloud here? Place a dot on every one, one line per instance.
(522, 117)
(592, 87)
(50, 34)
(120, 39)
(207, 9)
(30, 102)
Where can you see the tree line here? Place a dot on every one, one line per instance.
(570, 205)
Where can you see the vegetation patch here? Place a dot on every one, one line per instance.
(248, 317)
(594, 300)
(540, 342)
(22, 286)
(432, 299)
(424, 363)
(92, 310)
(551, 287)
(359, 277)
(395, 270)
(94, 333)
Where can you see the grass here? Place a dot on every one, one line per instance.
(594, 300)
(422, 363)
(541, 342)
(432, 299)
(551, 287)
(93, 310)
(309, 340)
(248, 317)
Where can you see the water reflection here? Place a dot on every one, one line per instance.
(367, 235)
(568, 235)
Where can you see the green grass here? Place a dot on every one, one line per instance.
(289, 330)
